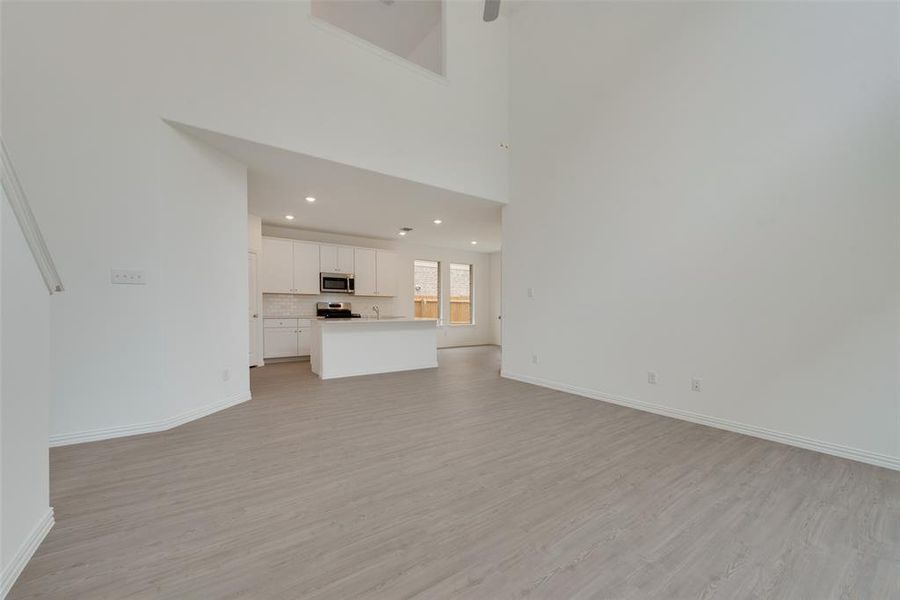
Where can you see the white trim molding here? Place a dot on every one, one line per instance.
(863, 456)
(30, 230)
(95, 435)
(15, 567)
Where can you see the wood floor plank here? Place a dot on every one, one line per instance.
(455, 483)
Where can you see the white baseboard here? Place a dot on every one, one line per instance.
(864, 456)
(95, 435)
(15, 567)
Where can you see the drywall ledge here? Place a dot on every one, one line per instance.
(95, 435)
(863, 456)
(25, 552)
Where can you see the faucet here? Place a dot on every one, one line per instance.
(377, 312)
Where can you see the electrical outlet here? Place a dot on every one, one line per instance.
(651, 377)
(127, 277)
(226, 374)
(534, 359)
(530, 292)
(696, 384)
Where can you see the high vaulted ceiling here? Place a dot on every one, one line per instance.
(400, 26)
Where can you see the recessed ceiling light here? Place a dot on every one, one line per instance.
(474, 242)
(437, 221)
(401, 233)
(289, 217)
(310, 199)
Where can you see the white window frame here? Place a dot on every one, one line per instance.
(471, 322)
(440, 290)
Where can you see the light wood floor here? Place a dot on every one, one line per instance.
(454, 483)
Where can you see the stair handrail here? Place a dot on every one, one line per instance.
(22, 210)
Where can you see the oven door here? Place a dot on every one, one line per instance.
(335, 283)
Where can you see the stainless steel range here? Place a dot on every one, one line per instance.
(335, 310)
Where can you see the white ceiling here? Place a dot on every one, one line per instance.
(399, 26)
(354, 201)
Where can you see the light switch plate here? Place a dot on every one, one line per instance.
(127, 277)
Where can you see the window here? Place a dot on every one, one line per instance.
(460, 294)
(428, 289)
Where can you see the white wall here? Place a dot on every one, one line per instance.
(403, 305)
(265, 71)
(254, 233)
(105, 181)
(205, 329)
(3, 559)
(720, 200)
(124, 201)
(130, 359)
(25, 513)
(24, 399)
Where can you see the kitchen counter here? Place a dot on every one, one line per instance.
(363, 319)
(370, 320)
(363, 346)
(306, 317)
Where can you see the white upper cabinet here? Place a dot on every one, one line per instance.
(289, 267)
(328, 259)
(306, 268)
(293, 267)
(336, 259)
(386, 273)
(365, 272)
(277, 266)
(345, 259)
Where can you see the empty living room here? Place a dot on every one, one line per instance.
(439, 299)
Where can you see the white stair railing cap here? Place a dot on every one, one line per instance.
(19, 202)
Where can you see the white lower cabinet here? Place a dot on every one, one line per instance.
(280, 342)
(285, 338)
(303, 337)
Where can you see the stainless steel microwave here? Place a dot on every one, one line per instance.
(335, 283)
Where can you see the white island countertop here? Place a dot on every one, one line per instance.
(364, 346)
(370, 320)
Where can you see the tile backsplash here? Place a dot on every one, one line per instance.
(286, 305)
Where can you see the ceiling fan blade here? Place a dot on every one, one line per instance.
(491, 10)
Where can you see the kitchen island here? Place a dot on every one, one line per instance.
(348, 347)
